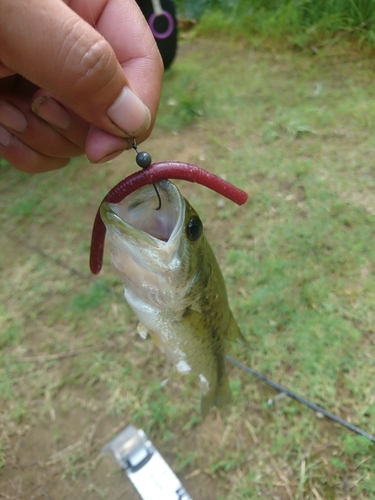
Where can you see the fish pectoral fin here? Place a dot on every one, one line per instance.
(195, 306)
(218, 396)
(193, 316)
(143, 332)
(234, 333)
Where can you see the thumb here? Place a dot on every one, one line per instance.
(53, 47)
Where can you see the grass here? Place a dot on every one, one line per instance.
(185, 101)
(305, 25)
(298, 259)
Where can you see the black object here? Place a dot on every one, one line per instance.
(162, 25)
(143, 159)
(300, 399)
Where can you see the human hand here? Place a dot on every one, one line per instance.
(67, 88)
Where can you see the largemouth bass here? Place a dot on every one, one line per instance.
(174, 284)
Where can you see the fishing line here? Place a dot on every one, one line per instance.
(300, 399)
(238, 364)
(144, 160)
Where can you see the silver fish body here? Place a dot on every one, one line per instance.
(174, 284)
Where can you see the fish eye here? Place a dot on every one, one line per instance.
(194, 228)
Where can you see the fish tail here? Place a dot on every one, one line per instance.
(217, 396)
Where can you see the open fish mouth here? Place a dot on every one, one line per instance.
(156, 172)
(137, 216)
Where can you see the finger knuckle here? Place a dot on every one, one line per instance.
(90, 66)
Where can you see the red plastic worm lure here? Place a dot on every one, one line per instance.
(154, 173)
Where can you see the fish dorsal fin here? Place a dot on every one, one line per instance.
(233, 333)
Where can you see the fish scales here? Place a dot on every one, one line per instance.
(174, 284)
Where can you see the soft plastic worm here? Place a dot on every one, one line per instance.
(154, 173)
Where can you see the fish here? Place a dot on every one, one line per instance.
(174, 284)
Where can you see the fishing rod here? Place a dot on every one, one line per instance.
(282, 390)
(193, 174)
(300, 399)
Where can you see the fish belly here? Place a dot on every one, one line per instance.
(188, 351)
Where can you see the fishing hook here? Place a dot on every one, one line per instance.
(144, 160)
(157, 172)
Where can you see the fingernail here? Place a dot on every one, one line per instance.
(130, 114)
(51, 111)
(12, 117)
(5, 137)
